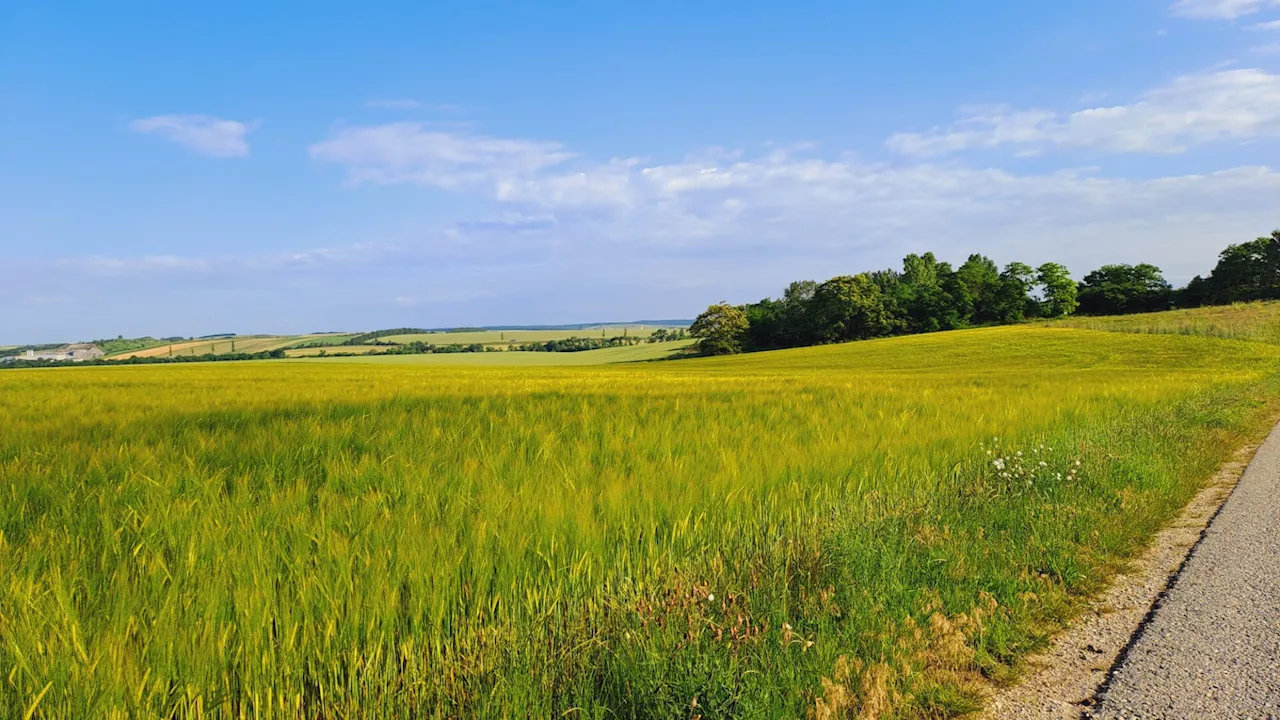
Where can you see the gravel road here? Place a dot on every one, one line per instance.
(1212, 648)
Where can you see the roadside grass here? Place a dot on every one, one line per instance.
(832, 531)
(1255, 321)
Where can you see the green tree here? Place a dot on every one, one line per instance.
(981, 279)
(850, 308)
(720, 330)
(1013, 301)
(1119, 289)
(795, 315)
(765, 325)
(1248, 271)
(1197, 293)
(1059, 290)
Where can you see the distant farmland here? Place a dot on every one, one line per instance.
(862, 530)
(222, 346)
(518, 337)
(515, 358)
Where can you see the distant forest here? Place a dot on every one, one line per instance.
(928, 295)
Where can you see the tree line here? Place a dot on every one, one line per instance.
(928, 295)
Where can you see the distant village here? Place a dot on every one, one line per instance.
(76, 352)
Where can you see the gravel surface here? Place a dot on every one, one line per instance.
(1212, 648)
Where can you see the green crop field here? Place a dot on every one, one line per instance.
(873, 530)
(516, 337)
(303, 352)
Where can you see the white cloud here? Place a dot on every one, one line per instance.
(395, 104)
(1268, 49)
(718, 215)
(1220, 9)
(652, 238)
(203, 134)
(1266, 26)
(1192, 110)
(413, 152)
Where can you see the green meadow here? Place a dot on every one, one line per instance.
(879, 529)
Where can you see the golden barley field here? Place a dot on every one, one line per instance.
(880, 529)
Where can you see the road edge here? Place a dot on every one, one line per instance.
(1064, 681)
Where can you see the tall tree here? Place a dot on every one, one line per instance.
(1117, 289)
(765, 325)
(1197, 293)
(928, 295)
(1248, 271)
(720, 330)
(795, 314)
(1013, 299)
(981, 280)
(1058, 289)
(850, 308)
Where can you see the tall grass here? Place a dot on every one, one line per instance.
(824, 531)
(1254, 321)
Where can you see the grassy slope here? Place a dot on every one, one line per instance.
(1257, 321)
(521, 336)
(386, 539)
(605, 356)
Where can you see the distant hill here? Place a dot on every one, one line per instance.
(578, 326)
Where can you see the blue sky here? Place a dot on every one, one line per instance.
(189, 168)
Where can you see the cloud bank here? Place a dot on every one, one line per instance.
(1193, 110)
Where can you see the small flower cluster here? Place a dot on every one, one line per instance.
(1020, 472)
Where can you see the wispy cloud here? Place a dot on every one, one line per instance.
(415, 153)
(395, 104)
(203, 134)
(1192, 110)
(1274, 25)
(1220, 9)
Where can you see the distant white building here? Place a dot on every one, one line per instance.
(76, 352)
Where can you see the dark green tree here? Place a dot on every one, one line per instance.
(766, 325)
(720, 330)
(1248, 271)
(981, 280)
(850, 308)
(1013, 301)
(930, 296)
(1118, 289)
(1197, 293)
(1058, 289)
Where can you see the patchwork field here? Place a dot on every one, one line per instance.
(516, 337)
(515, 358)
(221, 346)
(877, 529)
